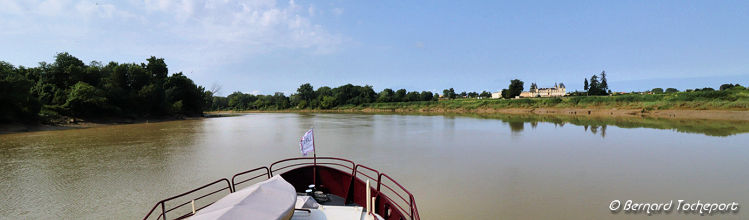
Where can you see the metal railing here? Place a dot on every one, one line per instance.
(234, 184)
(386, 191)
(164, 211)
(412, 211)
(333, 161)
(358, 171)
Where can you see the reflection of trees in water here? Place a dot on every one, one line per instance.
(516, 126)
(700, 126)
(594, 129)
(599, 125)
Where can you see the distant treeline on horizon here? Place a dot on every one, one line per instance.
(325, 97)
(69, 88)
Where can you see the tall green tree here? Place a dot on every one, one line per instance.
(413, 96)
(515, 88)
(367, 94)
(449, 93)
(207, 100)
(387, 95)
(604, 83)
(400, 95)
(321, 92)
(327, 102)
(85, 100)
(306, 92)
(220, 103)
(183, 96)
(240, 101)
(16, 100)
(157, 68)
(354, 95)
(595, 86)
(66, 70)
(426, 96)
(585, 85)
(473, 95)
(324, 91)
(280, 101)
(506, 94)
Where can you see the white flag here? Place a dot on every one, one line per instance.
(307, 144)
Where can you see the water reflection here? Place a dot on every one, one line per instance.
(598, 126)
(457, 166)
(516, 126)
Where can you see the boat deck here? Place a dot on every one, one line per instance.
(344, 182)
(333, 209)
(333, 200)
(333, 213)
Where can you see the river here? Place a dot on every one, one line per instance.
(457, 167)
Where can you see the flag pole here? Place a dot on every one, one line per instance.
(314, 159)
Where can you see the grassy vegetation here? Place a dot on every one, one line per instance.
(730, 99)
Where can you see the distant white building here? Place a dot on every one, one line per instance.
(558, 90)
(497, 95)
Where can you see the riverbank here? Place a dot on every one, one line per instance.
(663, 114)
(77, 123)
(737, 110)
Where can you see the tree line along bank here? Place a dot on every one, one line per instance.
(70, 88)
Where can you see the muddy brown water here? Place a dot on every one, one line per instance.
(458, 167)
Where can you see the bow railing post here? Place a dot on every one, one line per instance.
(163, 210)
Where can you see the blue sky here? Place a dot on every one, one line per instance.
(265, 46)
